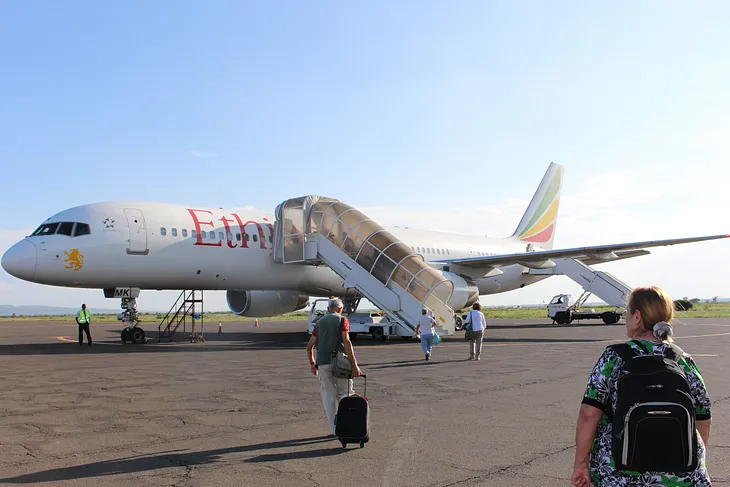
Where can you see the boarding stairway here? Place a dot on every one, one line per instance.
(602, 284)
(313, 230)
(180, 313)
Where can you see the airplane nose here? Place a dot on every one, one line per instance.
(21, 260)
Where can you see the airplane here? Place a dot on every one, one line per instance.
(160, 246)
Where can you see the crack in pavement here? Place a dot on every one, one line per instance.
(187, 475)
(309, 476)
(28, 451)
(507, 469)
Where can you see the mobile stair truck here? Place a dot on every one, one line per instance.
(563, 310)
(374, 323)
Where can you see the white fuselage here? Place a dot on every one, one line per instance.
(161, 246)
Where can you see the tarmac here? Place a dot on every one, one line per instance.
(242, 408)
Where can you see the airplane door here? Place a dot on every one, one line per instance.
(137, 232)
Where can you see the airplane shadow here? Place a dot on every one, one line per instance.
(538, 326)
(487, 341)
(214, 343)
(253, 341)
(177, 458)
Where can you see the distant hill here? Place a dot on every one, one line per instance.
(30, 310)
(586, 305)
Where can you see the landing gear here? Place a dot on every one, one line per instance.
(458, 323)
(131, 332)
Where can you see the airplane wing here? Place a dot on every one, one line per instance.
(620, 255)
(600, 253)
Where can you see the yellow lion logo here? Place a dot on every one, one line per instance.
(74, 258)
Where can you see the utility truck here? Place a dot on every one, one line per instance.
(564, 310)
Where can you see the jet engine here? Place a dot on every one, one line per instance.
(261, 304)
(465, 292)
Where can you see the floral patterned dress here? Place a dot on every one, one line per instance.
(601, 393)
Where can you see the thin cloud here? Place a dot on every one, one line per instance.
(197, 153)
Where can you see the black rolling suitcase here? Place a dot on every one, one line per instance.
(352, 423)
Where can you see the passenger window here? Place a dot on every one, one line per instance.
(271, 239)
(255, 238)
(193, 233)
(248, 237)
(174, 232)
(82, 229)
(184, 232)
(66, 228)
(238, 237)
(163, 231)
(203, 235)
(220, 235)
(230, 236)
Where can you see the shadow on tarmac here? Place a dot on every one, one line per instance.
(254, 341)
(176, 458)
(527, 326)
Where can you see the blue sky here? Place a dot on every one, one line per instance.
(426, 113)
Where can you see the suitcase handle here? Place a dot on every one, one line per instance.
(365, 391)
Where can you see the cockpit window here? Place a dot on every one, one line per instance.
(66, 228)
(82, 229)
(62, 228)
(45, 229)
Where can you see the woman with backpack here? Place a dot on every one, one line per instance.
(645, 416)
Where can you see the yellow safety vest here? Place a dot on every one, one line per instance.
(84, 316)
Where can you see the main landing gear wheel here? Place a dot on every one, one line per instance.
(458, 323)
(126, 336)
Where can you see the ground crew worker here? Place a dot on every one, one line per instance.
(83, 318)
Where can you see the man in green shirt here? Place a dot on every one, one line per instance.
(330, 333)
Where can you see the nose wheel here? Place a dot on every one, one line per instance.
(133, 335)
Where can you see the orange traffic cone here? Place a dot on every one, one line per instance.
(220, 329)
(257, 322)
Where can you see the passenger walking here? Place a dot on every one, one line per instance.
(645, 416)
(425, 326)
(330, 334)
(83, 319)
(478, 325)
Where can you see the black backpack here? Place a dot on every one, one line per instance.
(654, 421)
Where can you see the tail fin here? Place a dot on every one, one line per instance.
(540, 220)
